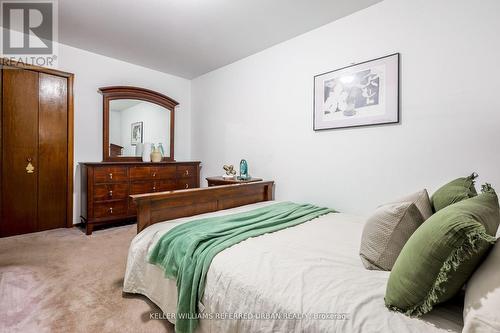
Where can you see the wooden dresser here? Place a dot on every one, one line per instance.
(106, 187)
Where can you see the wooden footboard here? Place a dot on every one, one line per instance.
(163, 206)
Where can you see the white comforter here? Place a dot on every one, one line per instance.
(305, 271)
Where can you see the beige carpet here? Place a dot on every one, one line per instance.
(64, 281)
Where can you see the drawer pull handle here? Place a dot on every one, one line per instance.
(110, 193)
(187, 185)
(154, 188)
(187, 173)
(154, 174)
(110, 176)
(111, 210)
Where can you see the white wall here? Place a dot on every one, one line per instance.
(93, 71)
(155, 126)
(115, 127)
(260, 108)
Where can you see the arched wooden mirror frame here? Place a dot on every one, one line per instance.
(127, 92)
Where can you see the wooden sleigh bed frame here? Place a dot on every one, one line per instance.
(163, 206)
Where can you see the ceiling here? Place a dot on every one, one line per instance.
(191, 37)
(123, 104)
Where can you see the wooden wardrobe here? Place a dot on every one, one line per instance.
(36, 132)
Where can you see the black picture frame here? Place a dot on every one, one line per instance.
(391, 116)
(138, 124)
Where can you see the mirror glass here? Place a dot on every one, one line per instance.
(133, 124)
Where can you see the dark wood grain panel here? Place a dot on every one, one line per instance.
(110, 209)
(167, 185)
(132, 207)
(142, 187)
(186, 171)
(149, 187)
(165, 172)
(85, 186)
(186, 183)
(151, 172)
(111, 191)
(37, 110)
(1, 150)
(133, 163)
(181, 211)
(20, 142)
(52, 151)
(139, 179)
(181, 201)
(71, 124)
(111, 174)
(237, 201)
(141, 172)
(158, 207)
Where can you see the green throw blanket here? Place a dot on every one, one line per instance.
(186, 251)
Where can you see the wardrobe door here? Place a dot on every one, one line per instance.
(19, 147)
(52, 152)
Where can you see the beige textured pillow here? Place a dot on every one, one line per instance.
(386, 232)
(482, 296)
(421, 200)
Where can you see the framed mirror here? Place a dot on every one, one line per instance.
(134, 119)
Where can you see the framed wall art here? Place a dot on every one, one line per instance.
(136, 134)
(362, 94)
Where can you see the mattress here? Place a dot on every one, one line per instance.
(308, 278)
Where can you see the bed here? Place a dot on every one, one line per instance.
(307, 278)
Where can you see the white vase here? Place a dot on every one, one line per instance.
(146, 153)
(138, 149)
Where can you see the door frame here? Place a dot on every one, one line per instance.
(4, 62)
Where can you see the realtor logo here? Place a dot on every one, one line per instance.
(28, 27)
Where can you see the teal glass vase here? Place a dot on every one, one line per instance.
(162, 151)
(244, 170)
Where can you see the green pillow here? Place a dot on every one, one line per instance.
(455, 191)
(441, 255)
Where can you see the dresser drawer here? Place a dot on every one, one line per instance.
(110, 209)
(110, 191)
(142, 172)
(186, 183)
(150, 187)
(166, 172)
(186, 171)
(143, 187)
(110, 174)
(149, 173)
(106, 187)
(168, 185)
(132, 207)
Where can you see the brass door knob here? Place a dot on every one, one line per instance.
(110, 193)
(110, 175)
(111, 210)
